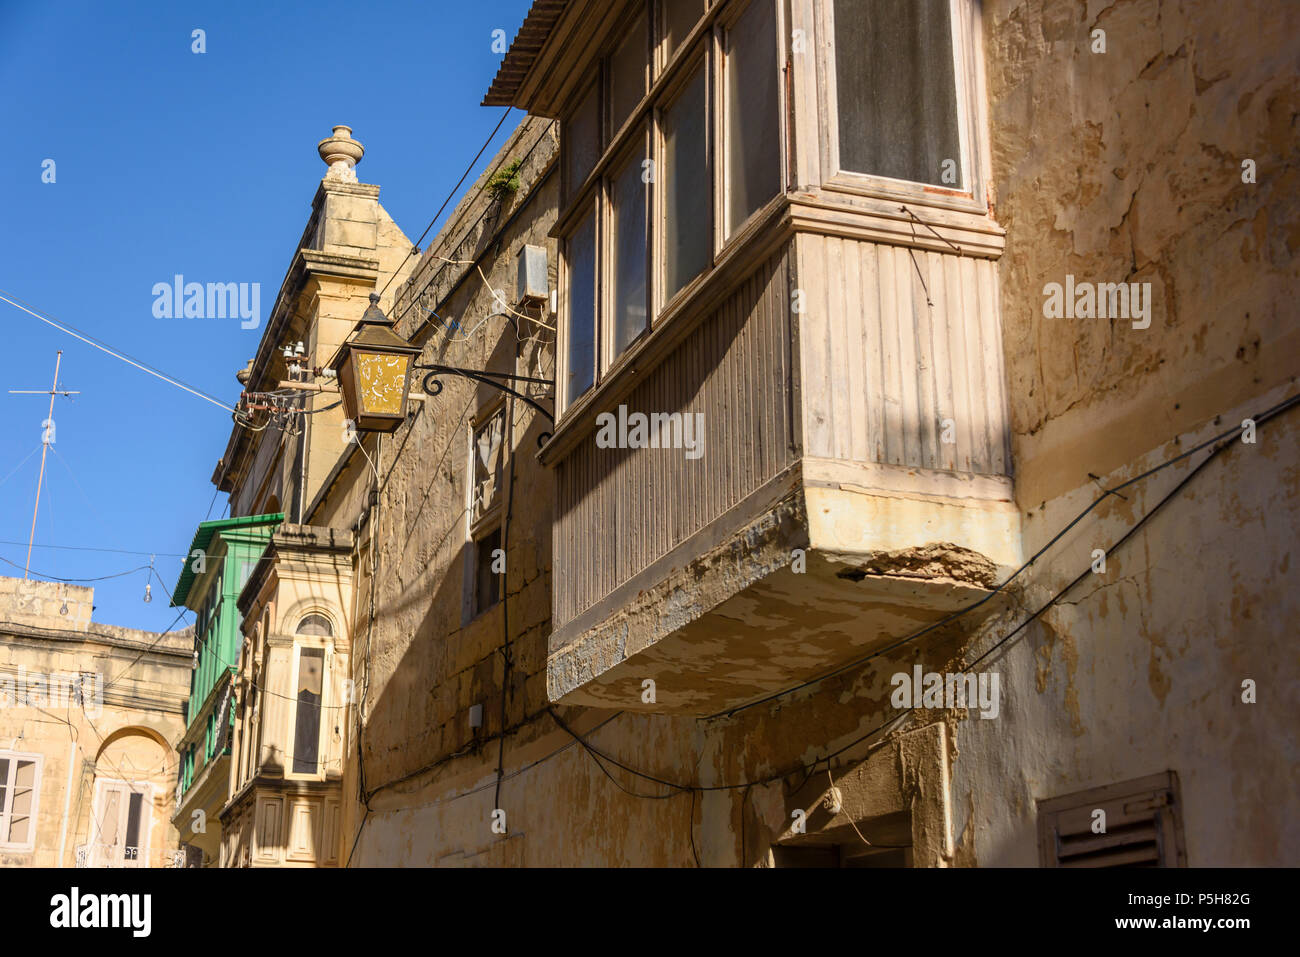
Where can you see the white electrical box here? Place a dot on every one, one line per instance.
(531, 282)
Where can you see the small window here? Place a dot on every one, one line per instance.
(627, 72)
(685, 176)
(316, 624)
(628, 193)
(752, 113)
(487, 450)
(677, 18)
(19, 784)
(487, 577)
(580, 290)
(1134, 824)
(581, 141)
(306, 736)
(896, 90)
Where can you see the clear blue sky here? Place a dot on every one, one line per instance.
(167, 162)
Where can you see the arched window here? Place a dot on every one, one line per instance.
(315, 625)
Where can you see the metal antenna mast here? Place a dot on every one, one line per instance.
(47, 439)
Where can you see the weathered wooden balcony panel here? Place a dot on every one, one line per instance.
(619, 510)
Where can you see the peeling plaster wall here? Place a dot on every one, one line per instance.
(1126, 167)
(130, 734)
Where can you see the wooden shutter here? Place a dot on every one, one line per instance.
(1144, 826)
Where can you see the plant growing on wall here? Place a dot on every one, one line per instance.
(505, 180)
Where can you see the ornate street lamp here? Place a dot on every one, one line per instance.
(374, 371)
(374, 367)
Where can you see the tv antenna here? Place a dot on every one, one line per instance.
(47, 439)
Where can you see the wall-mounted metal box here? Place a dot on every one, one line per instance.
(531, 282)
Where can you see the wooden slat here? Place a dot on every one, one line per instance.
(652, 500)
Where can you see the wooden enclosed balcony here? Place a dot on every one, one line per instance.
(785, 260)
(854, 484)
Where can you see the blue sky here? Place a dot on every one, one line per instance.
(166, 162)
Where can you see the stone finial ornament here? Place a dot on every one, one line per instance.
(342, 153)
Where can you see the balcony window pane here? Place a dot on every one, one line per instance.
(627, 73)
(686, 188)
(896, 91)
(628, 267)
(580, 290)
(581, 141)
(679, 16)
(753, 128)
(306, 738)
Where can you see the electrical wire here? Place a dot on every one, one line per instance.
(15, 472)
(854, 825)
(1269, 413)
(90, 340)
(468, 169)
(90, 548)
(1225, 441)
(419, 296)
(56, 578)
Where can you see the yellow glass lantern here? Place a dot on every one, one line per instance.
(374, 372)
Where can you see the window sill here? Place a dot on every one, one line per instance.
(934, 222)
(904, 191)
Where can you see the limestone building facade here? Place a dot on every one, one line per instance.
(90, 718)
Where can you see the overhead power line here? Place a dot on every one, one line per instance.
(468, 169)
(102, 347)
(91, 548)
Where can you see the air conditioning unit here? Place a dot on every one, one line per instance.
(531, 282)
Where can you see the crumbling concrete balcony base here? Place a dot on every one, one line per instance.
(822, 572)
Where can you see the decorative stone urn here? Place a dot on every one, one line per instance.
(342, 153)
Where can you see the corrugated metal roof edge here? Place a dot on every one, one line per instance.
(524, 49)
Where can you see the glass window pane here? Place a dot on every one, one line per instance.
(315, 624)
(581, 141)
(679, 16)
(580, 331)
(627, 71)
(488, 463)
(20, 810)
(896, 90)
(306, 739)
(134, 814)
(110, 817)
(753, 127)
(628, 194)
(686, 188)
(487, 581)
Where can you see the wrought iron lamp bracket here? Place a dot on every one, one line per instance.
(500, 381)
